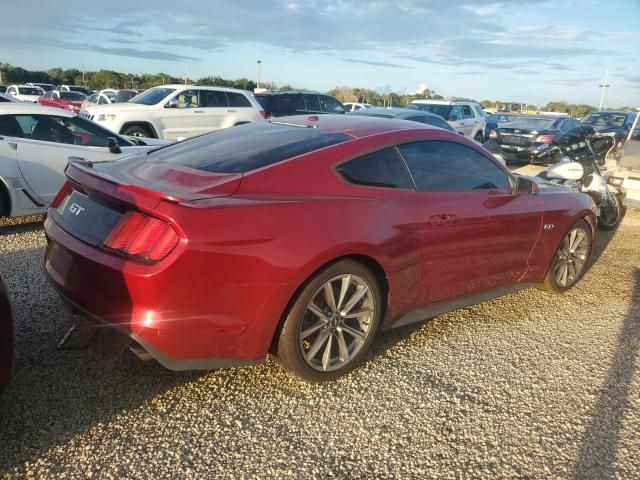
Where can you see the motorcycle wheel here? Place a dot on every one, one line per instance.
(610, 214)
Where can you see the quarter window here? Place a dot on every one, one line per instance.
(383, 168)
(466, 109)
(451, 167)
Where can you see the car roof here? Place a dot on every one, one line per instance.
(288, 92)
(180, 86)
(33, 108)
(356, 126)
(610, 111)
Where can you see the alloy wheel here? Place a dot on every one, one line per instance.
(572, 256)
(337, 322)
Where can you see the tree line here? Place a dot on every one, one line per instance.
(100, 79)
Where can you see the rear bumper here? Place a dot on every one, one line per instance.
(177, 313)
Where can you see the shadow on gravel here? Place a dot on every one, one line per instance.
(14, 229)
(599, 444)
(603, 238)
(55, 395)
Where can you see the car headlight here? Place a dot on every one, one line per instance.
(609, 134)
(106, 117)
(615, 181)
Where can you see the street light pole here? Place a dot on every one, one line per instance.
(258, 82)
(603, 86)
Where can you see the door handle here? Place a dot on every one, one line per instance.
(198, 111)
(232, 111)
(13, 145)
(442, 220)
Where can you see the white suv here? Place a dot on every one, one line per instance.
(175, 112)
(465, 117)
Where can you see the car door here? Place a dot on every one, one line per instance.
(213, 112)
(182, 116)
(470, 122)
(476, 233)
(48, 141)
(456, 119)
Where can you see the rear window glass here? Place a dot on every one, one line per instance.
(265, 102)
(245, 147)
(531, 123)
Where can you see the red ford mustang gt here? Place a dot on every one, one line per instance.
(303, 237)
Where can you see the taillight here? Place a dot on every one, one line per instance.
(64, 191)
(493, 134)
(265, 114)
(544, 139)
(142, 237)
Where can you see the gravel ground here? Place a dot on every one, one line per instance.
(530, 386)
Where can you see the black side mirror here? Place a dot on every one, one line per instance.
(526, 186)
(113, 145)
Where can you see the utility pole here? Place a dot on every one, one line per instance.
(603, 86)
(258, 82)
(185, 75)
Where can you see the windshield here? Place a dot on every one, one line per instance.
(442, 110)
(153, 96)
(29, 91)
(76, 88)
(72, 96)
(531, 123)
(604, 120)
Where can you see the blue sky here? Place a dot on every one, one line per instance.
(532, 51)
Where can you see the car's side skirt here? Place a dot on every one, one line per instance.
(444, 307)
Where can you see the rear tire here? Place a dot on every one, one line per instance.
(326, 335)
(570, 260)
(138, 131)
(479, 137)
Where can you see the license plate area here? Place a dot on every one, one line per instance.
(85, 218)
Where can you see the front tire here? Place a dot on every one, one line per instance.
(332, 323)
(138, 131)
(571, 259)
(611, 214)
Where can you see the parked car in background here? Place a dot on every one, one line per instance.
(3, 88)
(35, 145)
(465, 117)
(67, 100)
(279, 104)
(613, 124)
(382, 223)
(107, 97)
(4, 98)
(25, 93)
(73, 88)
(404, 114)
(47, 87)
(176, 112)
(520, 139)
(354, 107)
(6, 337)
(496, 120)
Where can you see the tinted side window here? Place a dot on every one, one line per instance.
(213, 99)
(9, 126)
(312, 103)
(466, 109)
(286, 104)
(238, 100)
(457, 112)
(379, 169)
(331, 105)
(189, 99)
(451, 167)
